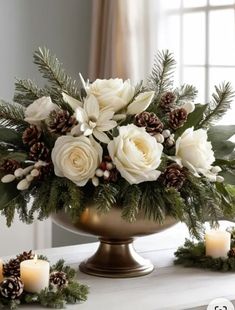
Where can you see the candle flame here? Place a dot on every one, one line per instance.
(35, 259)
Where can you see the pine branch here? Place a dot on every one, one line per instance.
(162, 74)
(185, 93)
(12, 116)
(26, 91)
(52, 70)
(106, 197)
(131, 203)
(221, 100)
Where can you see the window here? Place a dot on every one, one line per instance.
(201, 33)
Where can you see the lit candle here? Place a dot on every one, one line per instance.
(35, 274)
(1, 270)
(217, 243)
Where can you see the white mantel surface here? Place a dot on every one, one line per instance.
(168, 287)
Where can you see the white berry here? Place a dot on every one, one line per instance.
(19, 172)
(99, 173)
(8, 178)
(166, 133)
(23, 185)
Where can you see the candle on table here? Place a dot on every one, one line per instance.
(1, 270)
(34, 274)
(217, 243)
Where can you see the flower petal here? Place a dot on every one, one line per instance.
(81, 115)
(91, 106)
(140, 103)
(106, 126)
(101, 136)
(74, 103)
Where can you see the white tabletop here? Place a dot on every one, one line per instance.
(168, 287)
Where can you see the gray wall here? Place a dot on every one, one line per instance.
(61, 25)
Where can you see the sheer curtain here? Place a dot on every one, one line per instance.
(120, 40)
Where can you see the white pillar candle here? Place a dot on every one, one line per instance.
(217, 243)
(34, 274)
(1, 270)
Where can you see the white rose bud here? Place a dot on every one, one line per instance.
(76, 158)
(112, 94)
(39, 110)
(140, 103)
(23, 185)
(195, 152)
(8, 178)
(136, 154)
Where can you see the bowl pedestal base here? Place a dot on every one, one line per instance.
(116, 258)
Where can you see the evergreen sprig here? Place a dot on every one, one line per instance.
(12, 116)
(161, 78)
(193, 255)
(185, 92)
(221, 100)
(52, 70)
(105, 196)
(26, 91)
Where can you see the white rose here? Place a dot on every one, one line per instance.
(112, 94)
(76, 158)
(140, 103)
(39, 110)
(195, 152)
(136, 154)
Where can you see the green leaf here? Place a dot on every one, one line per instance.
(223, 149)
(10, 136)
(194, 119)
(12, 115)
(221, 133)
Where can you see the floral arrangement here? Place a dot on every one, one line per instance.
(63, 286)
(147, 148)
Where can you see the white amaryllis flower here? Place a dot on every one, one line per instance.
(136, 154)
(112, 94)
(76, 158)
(140, 103)
(39, 110)
(194, 151)
(92, 121)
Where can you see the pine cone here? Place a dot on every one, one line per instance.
(9, 166)
(39, 151)
(231, 253)
(31, 135)
(58, 279)
(150, 121)
(45, 171)
(12, 268)
(167, 101)
(11, 288)
(177, 118)
(174, 176)
(61, 122)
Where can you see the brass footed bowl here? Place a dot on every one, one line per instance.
(115, 257)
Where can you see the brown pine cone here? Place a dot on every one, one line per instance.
(58, 279)
(61, 122)
(44, 172)
(31, 135)
(9, 166)
(167, 101)
(11, 288)
(12, 268)
(174, 176)
(39, 151)
(150, 121)
(231, 253)
(177, 118)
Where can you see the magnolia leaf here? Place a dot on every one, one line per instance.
(221, 133)
(223, 149)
